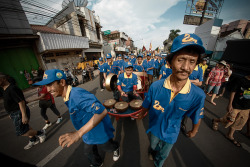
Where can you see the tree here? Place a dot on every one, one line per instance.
(173, 34)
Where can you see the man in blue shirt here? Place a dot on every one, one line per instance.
(197, 76)
(169, 100)
(165, 71)
(138, 65)
(148, 65)
(88, 116)
(157, 63)
(119, 63)
(132, 59)
(100, 68)
(127, 84)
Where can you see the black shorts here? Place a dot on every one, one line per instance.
(16, 117)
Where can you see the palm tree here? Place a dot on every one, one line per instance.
(173, 34)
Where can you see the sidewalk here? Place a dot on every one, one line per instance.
(32, 93)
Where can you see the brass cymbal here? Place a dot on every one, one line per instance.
(109, 103)
(121, 106)
(111, 82)
(136, 104)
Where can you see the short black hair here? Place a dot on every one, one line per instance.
(189, 49)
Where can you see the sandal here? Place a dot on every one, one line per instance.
(236, 143)
(215, 125)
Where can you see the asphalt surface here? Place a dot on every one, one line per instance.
(207, 149)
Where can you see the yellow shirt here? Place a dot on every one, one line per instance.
(204, 67)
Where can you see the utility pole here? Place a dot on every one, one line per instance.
(203, 13)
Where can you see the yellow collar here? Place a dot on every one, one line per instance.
(196, 68)
(184, 90)
(125, 75)
(67, 93)
(167, 66)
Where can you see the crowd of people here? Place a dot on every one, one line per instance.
(176, 95)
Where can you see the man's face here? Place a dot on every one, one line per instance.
(183, 64)
(139, 60)
(204, 62)
(220, 66)
(129, 70)
(55, 88)
(148, 57)
(108, 60)
(119, 58)
(126, 60)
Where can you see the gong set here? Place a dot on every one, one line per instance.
(123, 106)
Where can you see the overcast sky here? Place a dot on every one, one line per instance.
(151, 20)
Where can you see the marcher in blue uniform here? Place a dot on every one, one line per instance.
(127, 84)
(197, 76)
(169, 100)
(148, 66)
(125, 62)
(165, 71)
(101, 69)
(119, 63)
(156, 66)
(138, 64)
(88, 116)
(132, 59)
(111, 67)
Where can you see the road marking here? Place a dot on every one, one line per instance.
(49, 157)
(245, 147)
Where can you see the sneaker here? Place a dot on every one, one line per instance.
(116, 155)
(47, 125)
(42, 137)
(102, 90)
(31, 144)
(59, 120)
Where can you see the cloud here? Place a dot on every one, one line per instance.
(135, 18)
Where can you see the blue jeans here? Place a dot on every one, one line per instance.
(160, 150)
(214, 88)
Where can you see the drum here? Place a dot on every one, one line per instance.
(136, 104)
(121, 106)
(111, 82)
(109, 103)
(142, 78)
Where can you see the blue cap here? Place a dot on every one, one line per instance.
(149, 54)
(100, 59)
(185, 40)
(125, 57)
(128, 65)
(50, 76)
(119, 55)
(109, 56)
(140, 55)
(132, 54)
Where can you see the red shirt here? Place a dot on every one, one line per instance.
(215, 76)
(48, 96)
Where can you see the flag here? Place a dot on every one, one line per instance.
(143, 48)
(150, 46)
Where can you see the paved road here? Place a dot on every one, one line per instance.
(207, 149)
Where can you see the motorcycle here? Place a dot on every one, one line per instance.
(70, 81)
(85, 75)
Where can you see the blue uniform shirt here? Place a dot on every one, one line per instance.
(126, 82)
(157, 64)
(124, 65)
(196, 74)
(138, 67)
(165, 71)
(113, 68)
(166, 110)
(100, 67)
(120, 64)
(82, 106)
(132, 61)
(148, 64)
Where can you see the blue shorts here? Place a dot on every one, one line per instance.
(16, 117)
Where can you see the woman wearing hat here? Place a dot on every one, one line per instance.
(214, 79)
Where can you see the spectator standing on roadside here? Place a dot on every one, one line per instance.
(238, 109)
(225, 79)
(214, 79)
(19, 112)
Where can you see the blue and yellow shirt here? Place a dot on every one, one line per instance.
(196, 74)
(120, 64)
(100, 67)
(127, 82)
(138, 67)
(113, 68)
(165, 71)
(82, 106)
(132, 60)
(148, 64)
(166, 110)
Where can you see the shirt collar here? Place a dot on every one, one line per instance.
(125, 75)
(196, 68)
(67, 93)
(167, 66)
(184, 90)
